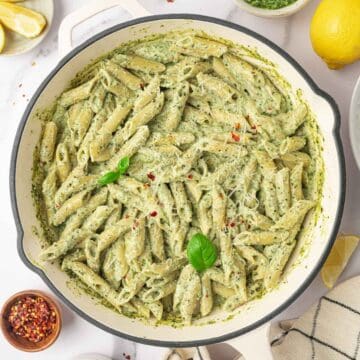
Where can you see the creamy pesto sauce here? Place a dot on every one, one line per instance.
(272, 96)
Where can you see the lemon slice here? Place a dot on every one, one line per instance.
(2, 38)
(24, 21)
(338, 258)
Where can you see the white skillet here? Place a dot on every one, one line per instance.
(247, 330)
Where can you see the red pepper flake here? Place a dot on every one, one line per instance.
(135, 225)
(153, 213)
(127, 357)
(190, 177)
(237, 126)
(253, 127)
(170, 1)
(32, 318)
(142, 86)
(232, 224)
(235, 137)
(151, 176)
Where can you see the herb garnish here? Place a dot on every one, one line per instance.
(112, 176)
(201, 252)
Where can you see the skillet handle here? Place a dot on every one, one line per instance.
(254, 345)
(88, 11)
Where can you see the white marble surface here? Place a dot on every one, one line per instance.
(20, 76)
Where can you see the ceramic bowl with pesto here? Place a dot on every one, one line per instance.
(272, 8)
(313, 243)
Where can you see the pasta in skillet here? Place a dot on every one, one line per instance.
(213, 145)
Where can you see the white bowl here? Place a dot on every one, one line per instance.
(282, 12)
(17, 44)
(355, 123)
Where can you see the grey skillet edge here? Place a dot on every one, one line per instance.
(306, 282)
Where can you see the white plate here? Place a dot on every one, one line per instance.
(17, 44)
(355, 123)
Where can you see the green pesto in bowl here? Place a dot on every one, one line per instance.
(270, 4)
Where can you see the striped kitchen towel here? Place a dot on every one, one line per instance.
(329, 330)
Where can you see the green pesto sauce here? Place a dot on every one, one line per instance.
(270, 4)
(48, 234)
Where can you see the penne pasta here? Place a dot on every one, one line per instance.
(175, 175)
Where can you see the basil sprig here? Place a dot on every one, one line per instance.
(201, 252)
(112, 176)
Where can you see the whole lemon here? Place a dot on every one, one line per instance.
(335, 32)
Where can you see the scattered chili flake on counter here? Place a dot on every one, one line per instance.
(153, 213)
(32, 318)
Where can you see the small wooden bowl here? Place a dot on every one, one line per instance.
(20, 342)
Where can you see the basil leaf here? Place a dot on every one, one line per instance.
(123, 165)
(108, 178)
(112, 176)
(201, 252)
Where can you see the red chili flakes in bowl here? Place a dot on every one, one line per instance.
(32, 318)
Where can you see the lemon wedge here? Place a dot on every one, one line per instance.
(24, 21)
(2, 38)
(338, 258)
